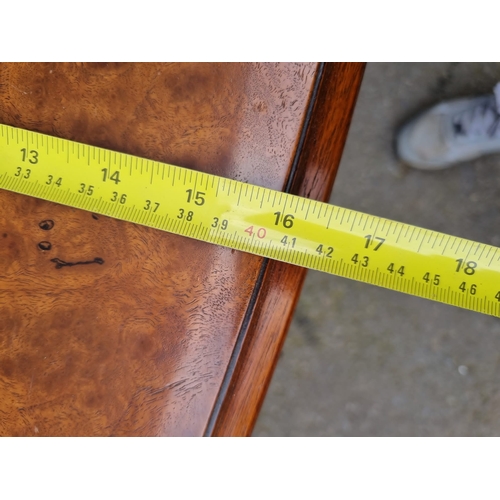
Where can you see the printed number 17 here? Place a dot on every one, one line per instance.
(370, 239)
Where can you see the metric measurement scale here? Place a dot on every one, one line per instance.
(253, 219)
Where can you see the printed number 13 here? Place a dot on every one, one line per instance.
(33, 155)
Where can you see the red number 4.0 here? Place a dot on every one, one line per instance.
(261, 232)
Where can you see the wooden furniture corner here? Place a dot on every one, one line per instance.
(161, 335)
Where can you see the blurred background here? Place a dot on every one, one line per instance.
(364, 361)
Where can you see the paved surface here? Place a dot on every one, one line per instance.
(364, 361)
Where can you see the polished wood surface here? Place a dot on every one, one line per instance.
(318, 158)
(146, 337)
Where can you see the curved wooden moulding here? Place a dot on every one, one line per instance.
(109, 328)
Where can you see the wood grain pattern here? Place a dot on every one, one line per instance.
(138, 341)
(318, 160)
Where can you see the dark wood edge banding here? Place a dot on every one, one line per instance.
(264, 328)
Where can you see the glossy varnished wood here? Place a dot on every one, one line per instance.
(157, 335)
(317, 158)
(139, 341)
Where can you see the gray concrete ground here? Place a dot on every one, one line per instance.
(364, 361)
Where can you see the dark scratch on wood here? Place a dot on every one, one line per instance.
(61, 263)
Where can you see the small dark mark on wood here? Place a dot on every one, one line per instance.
(94, 216)
(45, 245)
(5, 235)
(61, 263)
(46, 225)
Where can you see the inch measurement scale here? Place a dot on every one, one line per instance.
(253, 219)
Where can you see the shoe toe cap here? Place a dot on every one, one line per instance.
(422, 143)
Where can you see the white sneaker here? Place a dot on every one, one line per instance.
(452, 132)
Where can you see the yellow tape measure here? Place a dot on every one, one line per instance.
(253, 219)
